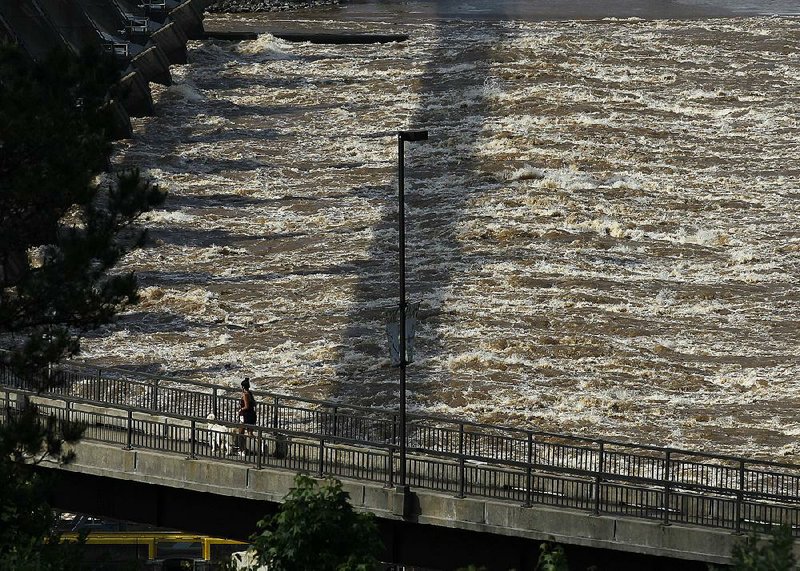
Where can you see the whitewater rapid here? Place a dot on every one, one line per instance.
(602, 228)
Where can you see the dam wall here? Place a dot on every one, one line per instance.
(144, 37)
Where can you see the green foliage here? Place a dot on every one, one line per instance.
(64, 222)
(27, 539)
(317, 528)
(551, 558)
(752, 554)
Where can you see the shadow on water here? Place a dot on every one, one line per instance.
(250, 83)
(152, 322)
(433, 252)
(223, 200)
(206, 238)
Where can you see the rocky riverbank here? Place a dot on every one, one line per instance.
(267, 5)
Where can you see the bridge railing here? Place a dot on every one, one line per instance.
(424, 432)
(462, 457)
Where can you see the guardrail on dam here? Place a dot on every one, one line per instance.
(463, 462)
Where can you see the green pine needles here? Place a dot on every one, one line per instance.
(65, 219)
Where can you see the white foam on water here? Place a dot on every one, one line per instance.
(702, 236)
(526, 172)
(185, 91)
(600, 227)
(266, 45)
(167, 217)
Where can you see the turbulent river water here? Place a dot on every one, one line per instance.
(602, 229)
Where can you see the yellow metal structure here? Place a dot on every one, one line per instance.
(151, 539)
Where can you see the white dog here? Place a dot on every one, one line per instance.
(222, 437)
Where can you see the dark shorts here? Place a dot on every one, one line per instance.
(249, 417)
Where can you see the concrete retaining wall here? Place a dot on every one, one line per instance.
(189, 16)
(153, 64)
(135, 94)
(172, 41)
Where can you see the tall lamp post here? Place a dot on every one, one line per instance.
(402, 137)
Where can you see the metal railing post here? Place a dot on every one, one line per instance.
(740, 498)
(259, 449)
(667, 479)
(193, 441)
(461, 466)
(214, 405)
(529, 473)
(275, 404)
(321, 467)
(154, 403)
(335, 421)
(599, 478)
(390, 471)
(129, 436)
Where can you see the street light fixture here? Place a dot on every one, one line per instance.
(402, 137)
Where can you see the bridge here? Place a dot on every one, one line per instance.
(149, 455)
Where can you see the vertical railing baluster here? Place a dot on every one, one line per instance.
(321, 468)
(599, 478)
(740, 498)
(129, 436)
(390, 471)
(154, 398)
(667, 478)
(193, 441)
(214, 405)
(529, 473)
(259, 449)
(461, 463)
(275, 404)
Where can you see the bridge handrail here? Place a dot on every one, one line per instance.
(565, 452)
(591, 489)
(490, 462)
(97, 372)
(411, 416)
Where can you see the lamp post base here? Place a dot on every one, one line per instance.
(404, 503)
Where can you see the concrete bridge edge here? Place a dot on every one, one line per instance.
(540, 522)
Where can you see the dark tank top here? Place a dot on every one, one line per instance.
(248, 414)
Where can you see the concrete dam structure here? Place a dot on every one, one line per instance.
(144, 36)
